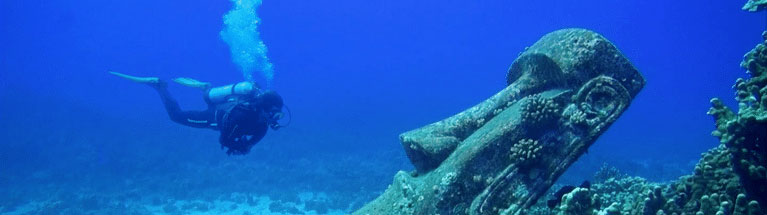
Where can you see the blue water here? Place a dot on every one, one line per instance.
(354, 73)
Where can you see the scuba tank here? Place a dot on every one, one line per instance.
(227, 93)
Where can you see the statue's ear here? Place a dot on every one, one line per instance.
(601, 100)
(534, 70)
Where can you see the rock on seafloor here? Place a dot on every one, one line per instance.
(501, 155)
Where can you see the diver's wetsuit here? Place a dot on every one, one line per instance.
(242, 122)
(198, 119)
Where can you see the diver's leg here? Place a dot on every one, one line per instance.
(192, 83)
(162, 88)
(197, 119)
(170, 103)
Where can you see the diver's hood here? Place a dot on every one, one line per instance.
(270, 98)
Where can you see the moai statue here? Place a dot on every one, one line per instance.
(501, 155)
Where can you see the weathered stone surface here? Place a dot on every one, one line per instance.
(501, 155)
(728, 179)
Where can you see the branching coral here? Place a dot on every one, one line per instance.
(580, 201)
(745, 133)
(623, 193)
(576, 117)
(713, 189)
(653, 202)
(540, 111)
(526, 151)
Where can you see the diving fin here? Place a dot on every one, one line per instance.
(142, 80)
(192, 83)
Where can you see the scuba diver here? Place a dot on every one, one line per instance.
(242, 112)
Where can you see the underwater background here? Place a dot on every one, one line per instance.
(355, 74)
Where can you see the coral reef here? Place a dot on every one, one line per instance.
(755, 5)
(745, 133)
(607, 172)
(623, 193)
(728, 180)
(501, 155)
(712, 177)
(713, 189)
(580, 201)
